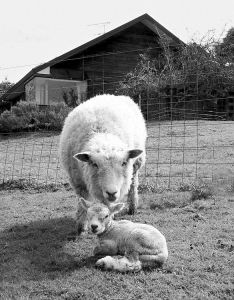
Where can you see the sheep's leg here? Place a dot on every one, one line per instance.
(133, 192)
(81, 220)
(133, 195)
(81, 214)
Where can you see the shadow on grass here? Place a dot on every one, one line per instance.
(43, 247)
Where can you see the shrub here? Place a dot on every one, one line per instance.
(9, 122)
(70, 98)
(29, 116)
(201, 191)
(189, 82)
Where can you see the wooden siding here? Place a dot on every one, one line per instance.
(105, 64)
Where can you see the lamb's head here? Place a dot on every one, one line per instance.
(108, 173)
(99, 216)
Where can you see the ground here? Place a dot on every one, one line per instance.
(186, 191)
(177, 152)
(41, 258)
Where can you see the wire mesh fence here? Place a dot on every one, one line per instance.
(190, 127)
(178, 152)
(181, 152)
(30, 156)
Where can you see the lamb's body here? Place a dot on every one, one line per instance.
(101, 131)
(137, 243)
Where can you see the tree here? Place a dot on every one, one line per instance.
(225, 49)
(5, 85)
(190, 81)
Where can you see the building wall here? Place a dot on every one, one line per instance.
(47, 91)
(30, 91)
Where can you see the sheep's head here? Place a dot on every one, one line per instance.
(99, 216)
(110, 173)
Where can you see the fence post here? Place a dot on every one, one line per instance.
(147, 93)
(103, 75)
(171, 115)
(197, 121)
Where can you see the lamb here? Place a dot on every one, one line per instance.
(137, 243)
(102, 148)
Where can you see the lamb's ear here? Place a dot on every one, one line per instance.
(115, 208)
(83, 156)
(84, 203)
(134, 153)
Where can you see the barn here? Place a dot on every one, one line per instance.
(95, 67)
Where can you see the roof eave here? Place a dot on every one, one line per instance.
(77, 50)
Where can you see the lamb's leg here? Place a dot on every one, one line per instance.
(129, 262)
(153, 260)
(108, 247)
(122, 264)
(133, 192)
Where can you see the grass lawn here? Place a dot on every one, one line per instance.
(41, 259)
(177, 152)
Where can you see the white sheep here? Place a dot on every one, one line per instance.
(102, 148)
(137, 243)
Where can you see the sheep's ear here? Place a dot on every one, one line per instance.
(115, 208)
(134, 153)
(84, 203)
(84, 156)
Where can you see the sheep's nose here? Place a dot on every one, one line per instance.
(94, 227)
(111, 196)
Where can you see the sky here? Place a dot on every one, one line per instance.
(35, 31)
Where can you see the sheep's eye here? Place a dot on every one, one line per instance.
(124, 163)
(106, 216)
(95, 165)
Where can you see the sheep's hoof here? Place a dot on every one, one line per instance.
(132, 210)
(80, 230)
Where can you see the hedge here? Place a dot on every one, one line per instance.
(27, 116)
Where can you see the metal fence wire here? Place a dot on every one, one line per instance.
(178, 152)
(190, 137)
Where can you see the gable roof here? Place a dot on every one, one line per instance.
(18, 88)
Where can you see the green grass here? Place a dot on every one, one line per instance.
(41, 258)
